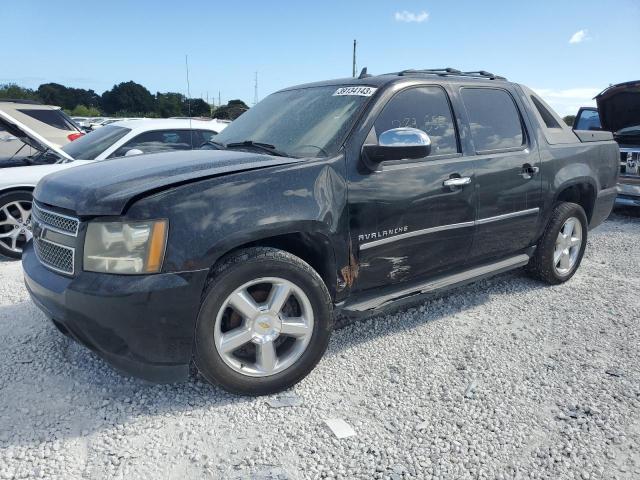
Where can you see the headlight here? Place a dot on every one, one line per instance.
(125, 247)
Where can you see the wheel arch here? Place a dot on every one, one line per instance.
(581, 191)
(313, 247)
(17, 188)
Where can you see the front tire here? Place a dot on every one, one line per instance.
(264, 323)
(562, 245)
(15, 222)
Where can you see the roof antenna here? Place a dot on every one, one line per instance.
(363, 74)
(186, 63)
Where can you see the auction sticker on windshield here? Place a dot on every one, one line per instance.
(360, 91)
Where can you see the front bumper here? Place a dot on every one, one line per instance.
(142, 325)
(629, 192)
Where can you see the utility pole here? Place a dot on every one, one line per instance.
(219, 99)
(354, 57)
(255, 91)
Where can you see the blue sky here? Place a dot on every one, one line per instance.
(96, 44)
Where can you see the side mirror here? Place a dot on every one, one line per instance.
(133, 151)
(399, 144)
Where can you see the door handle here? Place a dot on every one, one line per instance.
(529, 171)
(457, 181)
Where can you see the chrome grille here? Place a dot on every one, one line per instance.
(56, 221)
(57, 257)
(629, 162)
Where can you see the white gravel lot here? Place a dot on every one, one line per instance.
(507, 378)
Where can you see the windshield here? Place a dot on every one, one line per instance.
(308, 122)
(89, 146)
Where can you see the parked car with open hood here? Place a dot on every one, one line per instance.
(347, 197)
(50, 122)
(619, 112)
(18, 177)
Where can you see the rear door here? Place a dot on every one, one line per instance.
(508, 181)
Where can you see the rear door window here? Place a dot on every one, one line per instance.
(494, 119)
(52, 117)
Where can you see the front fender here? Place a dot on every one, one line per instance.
(209, 218)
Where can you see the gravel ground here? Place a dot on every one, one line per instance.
(507, 378)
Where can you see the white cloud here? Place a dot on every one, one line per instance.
(410, 17)
(568, 101)
(580, 36)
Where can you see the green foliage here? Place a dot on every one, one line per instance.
(231, 110)
(129, 98)
(169, 104)
(196, 107)
(569, 119)
(84, 111)
(11, 90)
(65, 97)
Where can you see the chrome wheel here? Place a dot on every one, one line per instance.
(15, 225)
(263, 327)
(568, 245)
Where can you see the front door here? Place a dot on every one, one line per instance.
(405, 222)
(508, 181)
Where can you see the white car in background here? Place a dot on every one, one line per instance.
(18, 178)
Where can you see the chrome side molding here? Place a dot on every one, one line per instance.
(452, 226)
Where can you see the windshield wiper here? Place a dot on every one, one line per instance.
(218, 145)
(265, 147)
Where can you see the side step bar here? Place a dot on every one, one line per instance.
(361, 305)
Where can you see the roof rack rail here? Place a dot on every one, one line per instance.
(445, 72)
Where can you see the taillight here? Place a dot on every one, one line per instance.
(74, 136)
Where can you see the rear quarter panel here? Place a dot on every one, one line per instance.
(593, 163)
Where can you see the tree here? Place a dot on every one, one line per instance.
(129, 98)
(569, 119)
(11, 90)
(196, 107)
(84, 111)
(169, 104)
(66, 97)
(231, 110)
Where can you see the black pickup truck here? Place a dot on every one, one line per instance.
(345, 197)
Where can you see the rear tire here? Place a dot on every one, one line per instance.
(562, 245)
(15, 222)
(264, 323)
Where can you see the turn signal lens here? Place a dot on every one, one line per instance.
(156, 246)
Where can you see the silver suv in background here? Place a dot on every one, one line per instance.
(49, 121)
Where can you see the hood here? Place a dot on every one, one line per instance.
(619, 106)
(28, 136)
(106, 187)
